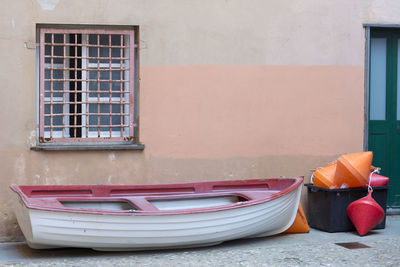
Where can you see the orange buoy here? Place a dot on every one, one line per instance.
(365, 214)
(300, 224)
(325, 177)
(353, 169)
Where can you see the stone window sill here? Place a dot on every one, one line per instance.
(87, 146)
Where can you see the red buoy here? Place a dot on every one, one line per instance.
(378, 180)
(365, 213)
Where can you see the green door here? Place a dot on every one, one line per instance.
(384, 107)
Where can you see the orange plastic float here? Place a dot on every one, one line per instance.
(350, 170)
(325, 177)
(300, 224)
(353, 169)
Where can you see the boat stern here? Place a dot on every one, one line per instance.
(23, 215)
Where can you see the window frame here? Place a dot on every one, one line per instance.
(87, 141)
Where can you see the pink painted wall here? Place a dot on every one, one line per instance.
(219, 111)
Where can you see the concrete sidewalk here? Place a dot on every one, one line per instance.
(313, 249)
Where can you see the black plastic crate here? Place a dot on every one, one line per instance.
(327, 208)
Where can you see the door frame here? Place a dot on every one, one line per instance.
(368, 27)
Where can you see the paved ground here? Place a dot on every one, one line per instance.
(313, 249)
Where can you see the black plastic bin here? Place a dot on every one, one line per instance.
(327, 208)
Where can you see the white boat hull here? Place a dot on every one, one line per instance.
(45, 229)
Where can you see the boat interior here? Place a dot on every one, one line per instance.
(152, 198)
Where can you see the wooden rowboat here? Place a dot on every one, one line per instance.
(140, 217)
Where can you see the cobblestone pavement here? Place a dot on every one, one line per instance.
(313, 249)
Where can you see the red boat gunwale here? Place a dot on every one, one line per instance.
(252, 192)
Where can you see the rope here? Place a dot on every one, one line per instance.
(369, 182)
(312, 175)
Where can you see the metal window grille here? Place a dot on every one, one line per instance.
(86, 85)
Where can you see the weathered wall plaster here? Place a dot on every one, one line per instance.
(229, 90)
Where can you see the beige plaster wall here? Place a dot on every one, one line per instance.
(229, 90)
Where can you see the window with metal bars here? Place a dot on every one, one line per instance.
(86, 85)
